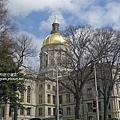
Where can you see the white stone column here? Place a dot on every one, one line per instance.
(0, 113)
(7, 111)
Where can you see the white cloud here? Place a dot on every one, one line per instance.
(92, 12)
(113, 14)
(47, 25)
(24, 7)
(94, 16)
(107, 15)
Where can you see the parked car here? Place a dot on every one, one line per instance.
(36, 118)
(114, 118)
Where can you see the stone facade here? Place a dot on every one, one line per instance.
(41, 100)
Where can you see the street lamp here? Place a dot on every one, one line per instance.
(57, 86)
(96, 91)
(57, 95)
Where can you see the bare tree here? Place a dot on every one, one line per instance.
(107, 41)
(13, 51)
(88, 46)
(79, 60)
(7, 28)
(24, 49)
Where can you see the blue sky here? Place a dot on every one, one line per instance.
(34, 17)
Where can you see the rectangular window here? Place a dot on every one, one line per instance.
(68, 111)
(40, 87)
(28, 94)
(90, 107)
(119, 104)
(28, 111)
(53, 99)
(3, 112)
(21, 111)
(117, 87)
(49, 111)
(48, 86)
(60, 99)
(89, 92)
(40, 99)
(22, 96)
(109, 107)
(67, 98)
(48, 98)
(54, 111)
(90, 118)
(40, 111)
(53, 88)
(28, 99)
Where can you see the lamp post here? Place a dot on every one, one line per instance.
(57, 95)
(96, 91)
(57, 87)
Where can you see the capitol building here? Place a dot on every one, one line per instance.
(39, 99)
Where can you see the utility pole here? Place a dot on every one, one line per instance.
(57, 95)
(96, 92)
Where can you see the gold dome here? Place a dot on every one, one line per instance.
(55, 38)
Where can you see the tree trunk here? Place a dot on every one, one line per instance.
(105, 110)
(77, 108)
(15, 113)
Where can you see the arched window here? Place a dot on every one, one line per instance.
(28, 94)
(22, 96)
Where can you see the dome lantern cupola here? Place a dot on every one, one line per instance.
(55, 26)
